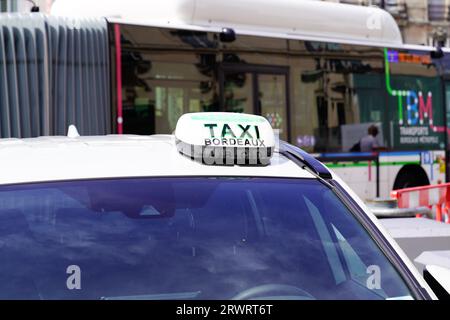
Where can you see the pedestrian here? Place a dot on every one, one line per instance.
(370, 143)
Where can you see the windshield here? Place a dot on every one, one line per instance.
(187, 238)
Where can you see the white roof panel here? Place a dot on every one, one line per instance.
(63, 158)
(305, 19)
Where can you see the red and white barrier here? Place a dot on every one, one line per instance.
(437, 196)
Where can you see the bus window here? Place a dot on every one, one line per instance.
(255, 72)
(337, 94)
(447, 110)
(166, 73)
(238, 92)
(415, 101)
(272, 100)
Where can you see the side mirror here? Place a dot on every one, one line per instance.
(438, 278)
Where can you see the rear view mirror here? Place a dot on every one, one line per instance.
(438, 278)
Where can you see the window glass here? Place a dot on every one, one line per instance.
(272, 101)
(166, 73)
(256, 69)
(447, 109)
(324, 97)
(187, 238)
(415, 101)
(337, 94)
(238, 92)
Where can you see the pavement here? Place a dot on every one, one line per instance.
(425, 241)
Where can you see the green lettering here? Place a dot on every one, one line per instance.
(257, 132)
(226, 130)
(245, 131)
(211, 127)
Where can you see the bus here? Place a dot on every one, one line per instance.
(321, 73)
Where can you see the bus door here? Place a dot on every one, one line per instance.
(259, 90)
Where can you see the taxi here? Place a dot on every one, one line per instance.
(222, 209)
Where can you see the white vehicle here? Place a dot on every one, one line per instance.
(219, 210)
(319, 77)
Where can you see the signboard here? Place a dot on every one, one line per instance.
(416, 113)
(415, 103)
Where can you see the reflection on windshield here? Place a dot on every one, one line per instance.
(187, 238)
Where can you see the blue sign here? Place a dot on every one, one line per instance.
(426, 157)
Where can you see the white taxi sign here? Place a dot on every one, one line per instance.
(225, 138)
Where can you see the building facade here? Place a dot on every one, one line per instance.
(421, 21)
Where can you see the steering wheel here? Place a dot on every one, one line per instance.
(272, 290)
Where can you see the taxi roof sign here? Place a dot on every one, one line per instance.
(225, 138)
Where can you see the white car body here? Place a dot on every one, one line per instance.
(73, 158)
(63, 158)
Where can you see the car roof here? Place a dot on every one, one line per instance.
(59, 158)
